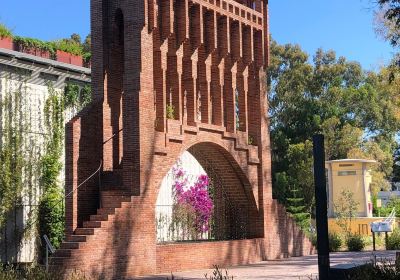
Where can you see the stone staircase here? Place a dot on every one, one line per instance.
(113, 198)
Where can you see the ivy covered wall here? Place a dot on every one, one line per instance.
(32, 116)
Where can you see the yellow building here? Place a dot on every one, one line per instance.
(353, 175)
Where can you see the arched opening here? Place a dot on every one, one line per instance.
(204, 197)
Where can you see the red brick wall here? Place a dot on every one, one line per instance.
(169, 63)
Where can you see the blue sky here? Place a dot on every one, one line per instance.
(345, 26)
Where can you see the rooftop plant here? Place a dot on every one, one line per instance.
(4, 31)
(34, 43)
(68, 46)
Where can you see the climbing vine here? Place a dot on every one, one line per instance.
(16, 154)
(51, 210)
(31, 157)
(51, 217)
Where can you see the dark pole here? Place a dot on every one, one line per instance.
(321, 207)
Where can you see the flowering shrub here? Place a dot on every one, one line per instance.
(192, 201)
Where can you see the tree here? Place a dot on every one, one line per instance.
(345, 210)
(297, 208)
(388, 20)
(357, 111)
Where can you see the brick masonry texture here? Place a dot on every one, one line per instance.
(205, 58)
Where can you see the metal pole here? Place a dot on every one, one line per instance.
(47, 258)
(373, 240)
(321, 207)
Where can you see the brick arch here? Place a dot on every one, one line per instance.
(233, 185)
(219, 162)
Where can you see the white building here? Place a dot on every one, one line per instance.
(28, 76)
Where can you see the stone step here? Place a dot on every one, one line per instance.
(84, 231)
(100, 218)
(69, 245)
(106, 211)
(56, 261)
(118, 191)
(76, 238)
(62, 253)
(92, 224)
(108, 203)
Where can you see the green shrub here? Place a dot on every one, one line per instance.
(51, 216)
(355, 243)
(313, 239)
(4, 31)
(335, 242)
(68, 46)
(384, 269)
(394, 240)
(31, 43)
(87, 56)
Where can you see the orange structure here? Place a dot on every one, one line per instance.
(171, 76)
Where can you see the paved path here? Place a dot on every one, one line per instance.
(299, 268)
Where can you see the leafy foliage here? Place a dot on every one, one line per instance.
(335, 242)
(51, 212)
(31, 43)
(297, 209)
(355, 243)
(8, 272)
(12, 156)
(345, 211)
(393, 242)
(357, 111)
(389, 17)
(69, 46)
(5, 32)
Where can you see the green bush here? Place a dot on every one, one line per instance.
(313, 239)
(355, 243)
(4, 31)
(31, 43)
(51, 216)
(335, 242)
(68, 46)
(394, 240)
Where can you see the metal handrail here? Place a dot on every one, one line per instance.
(87, 179)
(71, 192)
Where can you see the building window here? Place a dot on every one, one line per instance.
(347, 173)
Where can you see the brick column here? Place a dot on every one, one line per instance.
(72, 137)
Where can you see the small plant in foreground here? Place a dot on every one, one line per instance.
(355, 243)
(335, 242)
(218, 274)
(394, 240)
(9, 272)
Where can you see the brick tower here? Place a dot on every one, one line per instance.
(171, 76)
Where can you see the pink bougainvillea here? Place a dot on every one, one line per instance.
(194, 197)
